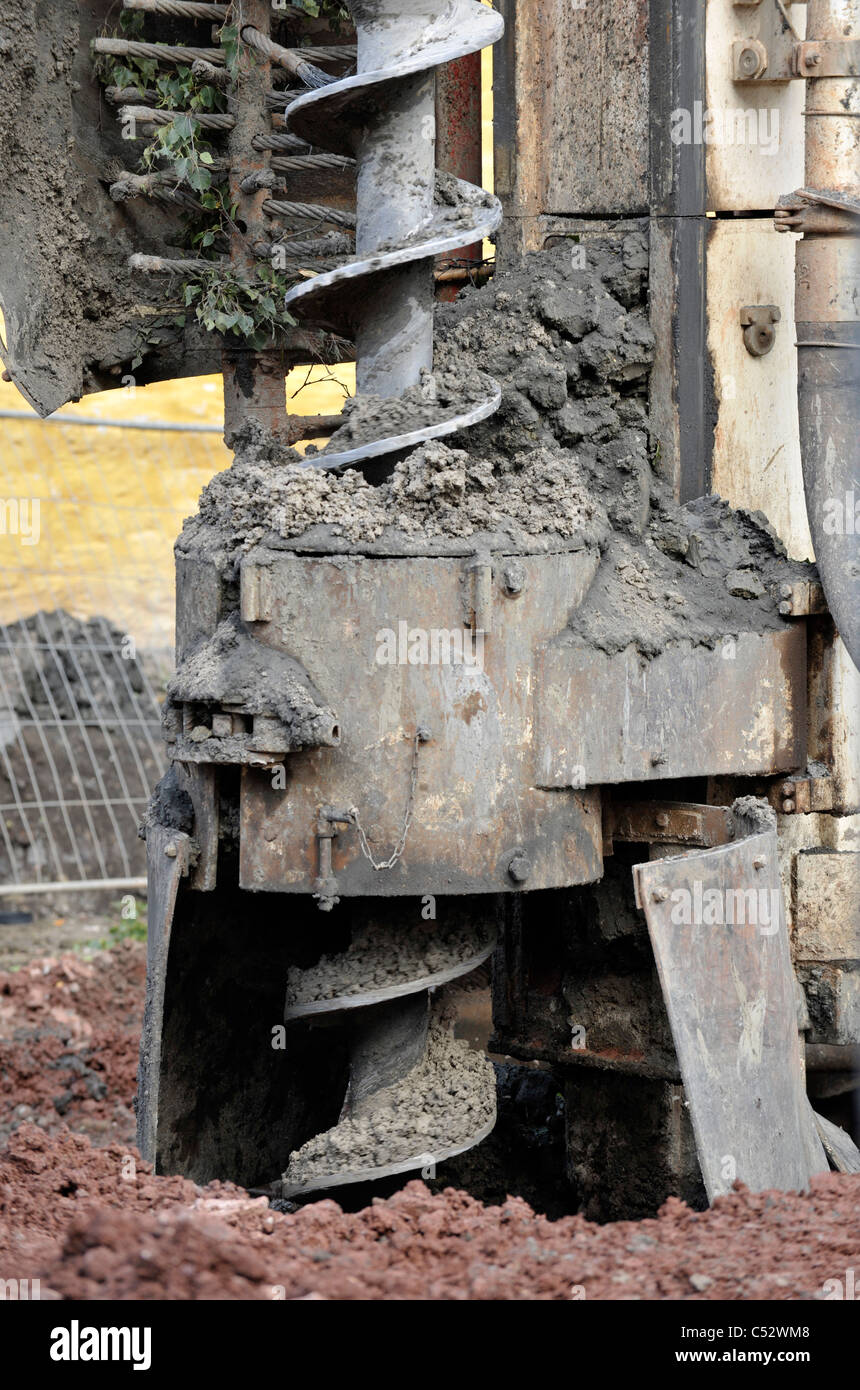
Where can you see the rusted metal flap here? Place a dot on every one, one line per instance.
(167, 859)
(717, 925)
(839, 1146)
(199, 781)
(691, 711)
(477, 823)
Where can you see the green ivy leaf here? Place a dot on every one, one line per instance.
(199, 179)
(183, 127)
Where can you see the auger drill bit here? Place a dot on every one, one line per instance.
(416, 1095)
(384, 116)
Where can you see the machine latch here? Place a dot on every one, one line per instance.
(757, 321)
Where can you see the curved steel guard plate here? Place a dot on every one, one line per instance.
(685, 713)
(729, 991)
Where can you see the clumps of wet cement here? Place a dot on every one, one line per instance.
(170, 805)
(436, 493)
(699, 574)
(440, 396)
(753, 815)
(381, 956)
(565, 462)
(233, 669)
(441, 1104)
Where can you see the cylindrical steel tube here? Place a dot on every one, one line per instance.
(396, 159)
(827, 318)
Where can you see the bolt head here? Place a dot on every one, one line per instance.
(660, 895)
(519, 866)
(788, 806)
(760, 861)
(170, 850)
(787, 788)
(785, 609)
(662, 819)
(749, 62)
(513, 579)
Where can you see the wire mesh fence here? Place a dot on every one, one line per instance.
(89, 509)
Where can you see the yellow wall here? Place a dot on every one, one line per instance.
(113, 500)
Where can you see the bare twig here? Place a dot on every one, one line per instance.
(163, 265)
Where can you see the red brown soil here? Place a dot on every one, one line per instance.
(94, 1222)
(69, 1033)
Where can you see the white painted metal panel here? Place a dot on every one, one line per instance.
(755, 156)
(756, 458)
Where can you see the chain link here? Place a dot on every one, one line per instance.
(407, 818)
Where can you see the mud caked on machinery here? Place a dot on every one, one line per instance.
(341, 836)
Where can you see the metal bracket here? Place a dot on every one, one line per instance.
(668, 822)
(818, 211)
(802, 598)
(325, 885)
(256, 593)
(757, 321)
(479, 602)
(777, 54)
(769, 55)
(802, 793)
(827, 58)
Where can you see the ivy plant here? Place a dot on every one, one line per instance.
(325, 9)
(221, 300)
(226, 302)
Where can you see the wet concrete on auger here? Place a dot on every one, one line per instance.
(567, 462)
